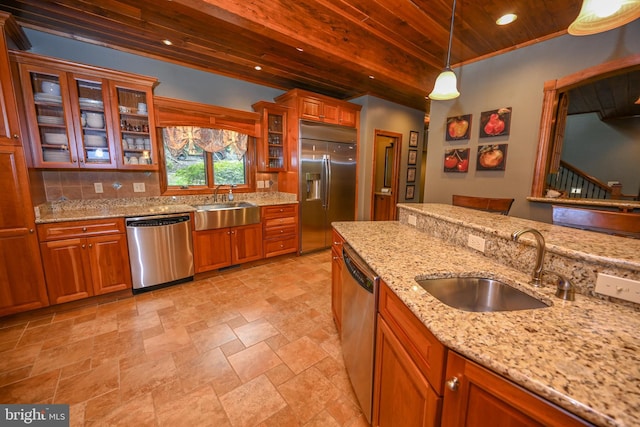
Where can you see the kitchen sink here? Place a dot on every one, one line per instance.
(479, 294)
(228, 214)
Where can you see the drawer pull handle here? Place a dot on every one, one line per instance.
(453, 384)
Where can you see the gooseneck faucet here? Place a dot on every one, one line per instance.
(536, 276)
(215, 193)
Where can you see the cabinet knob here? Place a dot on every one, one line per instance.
(84, 229)
(16, 136)
(90, 245)
(31, 230)
(453, 384)
(84, 246)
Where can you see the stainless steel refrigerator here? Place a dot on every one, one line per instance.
(327, 181)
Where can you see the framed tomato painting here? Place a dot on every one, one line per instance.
(456, 160)
(458, 128)
(495, 122)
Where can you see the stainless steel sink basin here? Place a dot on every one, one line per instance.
(229, 214)
(479, 294)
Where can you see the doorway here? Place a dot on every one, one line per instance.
(386, 169)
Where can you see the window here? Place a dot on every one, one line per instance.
(204, 157)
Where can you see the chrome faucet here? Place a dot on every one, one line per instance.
(536, 276)
(215, 193)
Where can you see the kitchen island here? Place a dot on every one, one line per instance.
(581, 355)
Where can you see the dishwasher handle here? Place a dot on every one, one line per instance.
(156, 220)
(361, 273)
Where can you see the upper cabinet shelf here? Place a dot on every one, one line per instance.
(87, 117)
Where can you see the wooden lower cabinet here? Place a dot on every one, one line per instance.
(81, 267)
(336, 278)
(479, 396)
(409, 367)
(280, 229)
(410, 387)
(223, 247)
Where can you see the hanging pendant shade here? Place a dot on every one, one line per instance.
(597, 16)
(446, 84)
(445, 87)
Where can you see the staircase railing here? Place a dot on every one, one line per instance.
(575, 183)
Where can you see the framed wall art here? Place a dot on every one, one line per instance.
(411, 174)
(413, 157)
(495, 122)
(411, 189)
(413, 138)
(492, 157)
(458, 128)
(456, 160)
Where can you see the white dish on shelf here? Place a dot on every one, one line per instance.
(91, 102)
(55, 156)
(51, 88)
(95, 141)
(98, 155)
(55, 138)
(95, 120)
(51, 120)
(47, 97)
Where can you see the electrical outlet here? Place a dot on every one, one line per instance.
(626, 289)
(138, 187)
(412, 220)
(267, 183)
(610, 183)
(576, 190)
(476, 242)
(260, 184)
(98, 187)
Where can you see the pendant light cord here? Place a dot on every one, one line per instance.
(453, 14)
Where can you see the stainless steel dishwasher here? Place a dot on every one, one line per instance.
(160, 250)
(359, 306)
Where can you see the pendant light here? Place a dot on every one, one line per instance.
(597, 16)
(445, 87)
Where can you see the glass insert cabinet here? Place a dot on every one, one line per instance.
(87, 117)
(273, 145)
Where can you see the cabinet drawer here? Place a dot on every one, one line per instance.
(279, 211)
(276, 232)
(64, 230)
(423, 347)
(279, 222)
(280, 246)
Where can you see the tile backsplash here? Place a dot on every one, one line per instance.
(80, 185)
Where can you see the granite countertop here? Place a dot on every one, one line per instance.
(582, 355)
(75, 210)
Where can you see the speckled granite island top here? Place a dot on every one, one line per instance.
(74, 210)
(582, 355)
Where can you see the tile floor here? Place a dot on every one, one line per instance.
(252, 346)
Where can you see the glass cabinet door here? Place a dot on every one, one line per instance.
(136, 128)
(51, 137)
(93, 139)
(275, 141)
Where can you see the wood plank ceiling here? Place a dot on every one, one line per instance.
(326, 46)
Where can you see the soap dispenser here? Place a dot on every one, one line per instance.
(230, 197)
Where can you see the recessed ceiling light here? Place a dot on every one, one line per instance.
(371, 77)
(299, 49)
(167, 42)
(507, 19)
(257, 68)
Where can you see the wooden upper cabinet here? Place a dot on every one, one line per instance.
(10, 33)
(86, 117)
(273, 143)
(320, 108)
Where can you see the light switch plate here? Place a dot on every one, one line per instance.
(98, 187)
(626, 289)
(260, 183)
(476, 242)
(412, 220)
(138, 187)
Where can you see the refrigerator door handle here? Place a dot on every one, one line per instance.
(326, 180)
